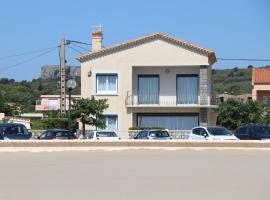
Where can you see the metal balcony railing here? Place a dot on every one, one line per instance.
(157, 100)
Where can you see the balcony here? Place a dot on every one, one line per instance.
(155, 100)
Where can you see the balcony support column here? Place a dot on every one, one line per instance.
(203, 117)
(203, 88)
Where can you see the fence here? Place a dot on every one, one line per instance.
(130, 134)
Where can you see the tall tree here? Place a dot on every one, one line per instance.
(90, 111)
(232, 113)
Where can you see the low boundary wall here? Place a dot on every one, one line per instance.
(136, 144)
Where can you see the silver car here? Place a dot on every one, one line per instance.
(153, 135)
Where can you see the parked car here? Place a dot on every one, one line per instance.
(57, 135)
(103, 135)
(211, 133)
(1, 134)
(153, 135)
(253, 132)
(14, 131)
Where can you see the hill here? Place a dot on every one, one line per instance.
(233, 81)
(53, 72)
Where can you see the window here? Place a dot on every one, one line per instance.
(218, 131)
(159, 134)
(106, 134)
(148, 89)
(90, 135)
(110, 122)
(53, 104)
(172, 122)
(241, 131)
(196, 131)
(203, 132)
(106, 83)
(187, 89)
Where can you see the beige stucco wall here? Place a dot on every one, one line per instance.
(156, 54)
(259, 88)
(167, 90)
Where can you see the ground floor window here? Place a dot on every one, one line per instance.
(169, 121)
(111, 122)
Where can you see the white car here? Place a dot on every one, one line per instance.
(211, 133)
(103, 135)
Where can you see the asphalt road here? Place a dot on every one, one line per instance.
(136, 174)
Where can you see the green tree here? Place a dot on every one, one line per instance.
(6, 108)
(89, 111)
(232, 113)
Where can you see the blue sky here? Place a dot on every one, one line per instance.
(233, 28)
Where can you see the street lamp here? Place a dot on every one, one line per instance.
(71, 84)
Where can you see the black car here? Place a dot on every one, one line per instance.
(14, 131)
(253, 132)
(57, 135)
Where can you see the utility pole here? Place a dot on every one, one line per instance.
(62, 76)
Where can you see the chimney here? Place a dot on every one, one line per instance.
(97, 37)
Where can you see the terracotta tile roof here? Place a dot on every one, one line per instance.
(118, 47)
(261, 76)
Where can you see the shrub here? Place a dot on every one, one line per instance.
(53, 123)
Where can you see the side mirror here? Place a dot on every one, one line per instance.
(205, 135)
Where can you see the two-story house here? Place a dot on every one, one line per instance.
(153, 81)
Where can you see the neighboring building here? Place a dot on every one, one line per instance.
(153, 81)
(242, 97)
(261, 85)
(52, 102)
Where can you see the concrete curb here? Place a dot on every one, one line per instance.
(132, 144)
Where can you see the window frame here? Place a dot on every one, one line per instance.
(198, 86)
(107, 91)
(106, 122)
(148, 76)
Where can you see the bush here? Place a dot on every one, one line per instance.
(53, 123)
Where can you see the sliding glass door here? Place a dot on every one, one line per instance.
(148, 89)
(187, 89)
(172, 122)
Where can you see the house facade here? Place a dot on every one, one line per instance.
(153, 81)
(261, 85)
(52, 102)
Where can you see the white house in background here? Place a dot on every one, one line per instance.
(52, 102)
(153, 81)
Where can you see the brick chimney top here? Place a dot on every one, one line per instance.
(97, 37)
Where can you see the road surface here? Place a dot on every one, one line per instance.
(136, 174)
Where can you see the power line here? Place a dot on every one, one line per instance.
(28, 60)
(74, 49)
(28, 52)
(245, 59)
(78, 42)
(80, 46)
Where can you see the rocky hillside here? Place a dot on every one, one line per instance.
(53, 72)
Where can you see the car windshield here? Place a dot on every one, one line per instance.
(62, 134)
(262, 130)
(106, 134)
(14, 129)
(218, 131)
(159, 134)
